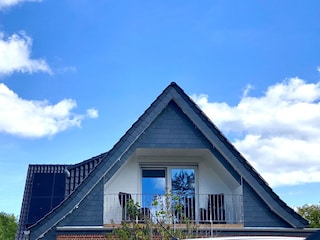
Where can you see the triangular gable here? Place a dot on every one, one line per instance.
(123, 149)
(173, 129)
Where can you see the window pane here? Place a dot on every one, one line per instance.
(153, 184)
(182, 181)
(153, 173)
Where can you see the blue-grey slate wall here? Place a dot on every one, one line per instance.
(172, 129)
(90, 211)
(256, 212)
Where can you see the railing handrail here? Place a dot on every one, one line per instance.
(201, 208)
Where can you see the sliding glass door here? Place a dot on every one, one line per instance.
(171, 189)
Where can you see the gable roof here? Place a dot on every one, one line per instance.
(122, 150)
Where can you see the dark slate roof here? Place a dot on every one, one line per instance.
(48, 185)
(78, 172)
(109, 163)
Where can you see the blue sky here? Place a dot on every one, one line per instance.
(74, 76)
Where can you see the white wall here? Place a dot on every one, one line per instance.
(125, 180)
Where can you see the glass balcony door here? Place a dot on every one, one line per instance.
(183, 192)
(160, 184)
(183, 181)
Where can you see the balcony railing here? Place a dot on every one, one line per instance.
(169, 208)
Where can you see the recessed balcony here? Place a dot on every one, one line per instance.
(213, 208)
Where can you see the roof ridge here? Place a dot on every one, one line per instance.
(98, 157)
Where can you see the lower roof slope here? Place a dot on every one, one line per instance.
(47, 185)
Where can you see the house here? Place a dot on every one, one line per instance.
(172, 148)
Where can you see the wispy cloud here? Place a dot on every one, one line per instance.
(15, 55)
(92, 113)
(278, 132)
(36, 119)
(65, 69)
(4, 4)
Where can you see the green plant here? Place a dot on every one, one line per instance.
(161, 223)
(8, 226)
(132, 231)
(168, 208)
(133, 210)
(311, 213)
(161, 205)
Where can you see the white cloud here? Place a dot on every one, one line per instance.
(66, 69)
(15, 55)
(279, 132)
(92, 113)
(9, 3)
(35, 119)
